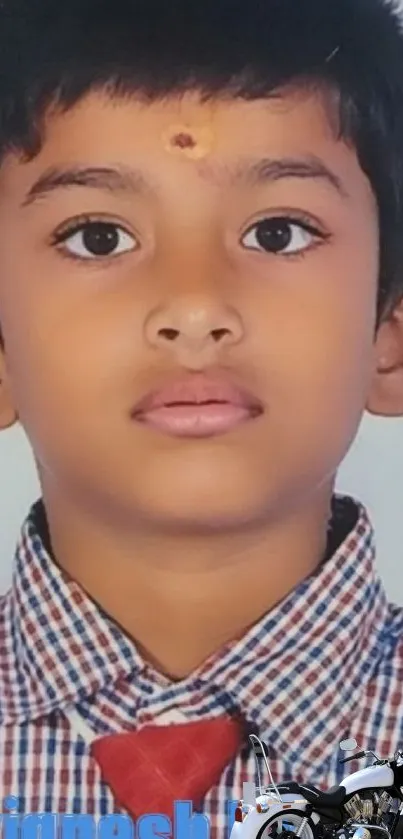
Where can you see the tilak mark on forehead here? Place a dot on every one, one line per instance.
(191, 142)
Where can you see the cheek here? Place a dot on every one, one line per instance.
(318, 339)
(72, 370)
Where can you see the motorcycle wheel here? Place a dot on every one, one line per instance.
(286, 827)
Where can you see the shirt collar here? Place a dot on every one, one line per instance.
(61, 644)
(307, 660)
(306, 665)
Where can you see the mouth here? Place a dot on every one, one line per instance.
(197, 406)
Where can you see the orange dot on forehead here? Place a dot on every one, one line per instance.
(183, 141)
(194, 143)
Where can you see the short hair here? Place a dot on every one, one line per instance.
(54, 53)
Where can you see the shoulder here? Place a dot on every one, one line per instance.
(386, 684)
(379, 715)
(5, 625)
(8, 661)
(393, 638)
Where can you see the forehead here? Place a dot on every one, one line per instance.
(234, 126)
(228, 134)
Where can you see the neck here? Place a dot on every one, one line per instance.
(208, 590)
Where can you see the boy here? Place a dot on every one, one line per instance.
(201, 251)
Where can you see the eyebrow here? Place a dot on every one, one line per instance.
(125, 180)
(310, 167)
(107, 179)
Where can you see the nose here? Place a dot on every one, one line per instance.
(193, 326)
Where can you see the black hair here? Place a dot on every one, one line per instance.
(53, 53)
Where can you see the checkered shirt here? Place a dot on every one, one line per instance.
(325, 664)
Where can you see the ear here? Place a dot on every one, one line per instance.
(386, 395)
(8, 414)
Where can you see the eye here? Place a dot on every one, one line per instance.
(283, 236)
(95, 240)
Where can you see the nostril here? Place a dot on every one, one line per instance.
(219, 334)
(169, 334)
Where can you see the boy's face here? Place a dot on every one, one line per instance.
(197, 276)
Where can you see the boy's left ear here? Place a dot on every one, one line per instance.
(386, 395)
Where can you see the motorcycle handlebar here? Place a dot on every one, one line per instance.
(357, 756)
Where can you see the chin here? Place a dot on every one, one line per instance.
(199, 523)
(205, 490)
(220, 509)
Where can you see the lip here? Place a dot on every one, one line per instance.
(197, 405)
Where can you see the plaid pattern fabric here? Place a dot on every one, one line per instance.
(323, 665)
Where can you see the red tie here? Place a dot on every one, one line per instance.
(150, 769)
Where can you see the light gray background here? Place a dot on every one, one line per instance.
(373, 472)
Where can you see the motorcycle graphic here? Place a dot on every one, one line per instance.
(368, 804)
